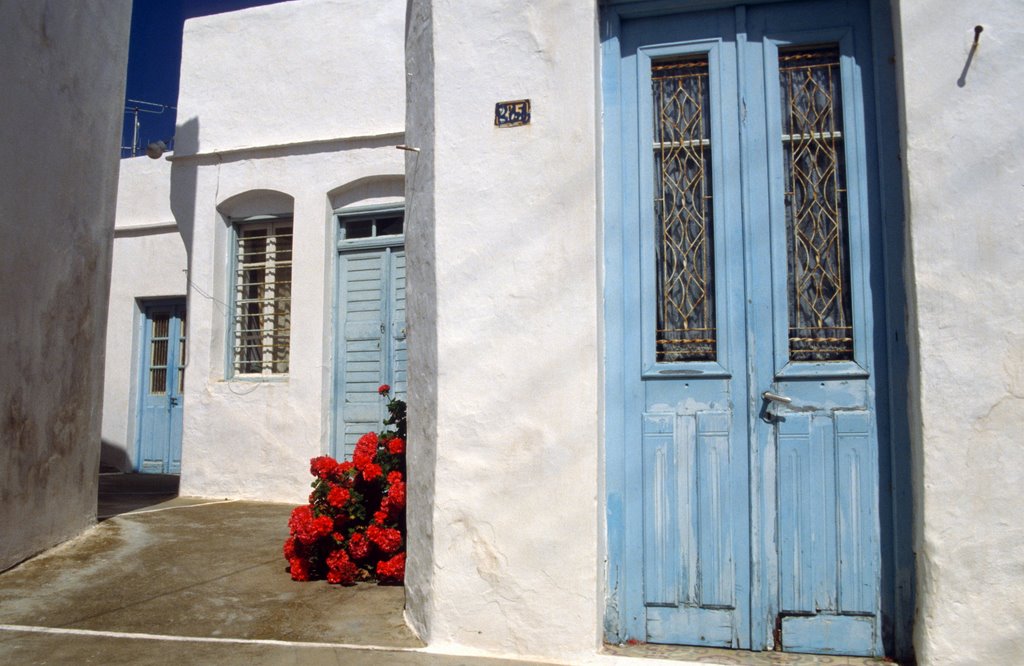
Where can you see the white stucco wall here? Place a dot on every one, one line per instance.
(506, 228)
(149, 262)
(63, 68)
(318, 105)
(296, 71)
(964, 156)
(505, 551)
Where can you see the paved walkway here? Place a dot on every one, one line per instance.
(169, 580)
(193, 581)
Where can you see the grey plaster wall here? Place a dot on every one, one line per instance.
(63, 69)
(421, 301)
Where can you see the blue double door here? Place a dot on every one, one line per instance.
(748, 335)
(162, 383)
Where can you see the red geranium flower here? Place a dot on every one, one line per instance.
(337, 497)
(366, 450)
(289, 548)
(306, 528)
(299, 520)
(396, 494)
(298, 567)
(353, 525)
(372, 471)
(323, 466)
(387, 539)
(358, 546)
(321, 527)
(340, 569)
(393, 570)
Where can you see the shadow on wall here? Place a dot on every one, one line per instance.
(371, 188)
(114, 458)
(183, 182)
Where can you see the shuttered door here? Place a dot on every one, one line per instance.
(371, 342)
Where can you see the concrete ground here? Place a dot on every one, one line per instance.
(193, 581)
(174, 580)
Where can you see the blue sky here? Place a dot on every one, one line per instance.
(154, 57)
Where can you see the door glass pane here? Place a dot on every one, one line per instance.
(158, 354)
(358, 229)
(389, 226)
(818, 283)
(684, 256)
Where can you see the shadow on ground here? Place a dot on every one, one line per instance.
(120, 493)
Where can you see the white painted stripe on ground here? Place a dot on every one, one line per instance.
(179, 506)
(199, 639)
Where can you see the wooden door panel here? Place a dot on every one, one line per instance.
(363, 304)
(371, 347)
(693, 509)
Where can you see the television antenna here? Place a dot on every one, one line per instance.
(135, 107)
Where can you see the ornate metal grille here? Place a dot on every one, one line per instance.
(820, 314)
(684, 256)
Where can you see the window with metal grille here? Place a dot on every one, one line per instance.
(819, 284)
(263, 297)
(683, 210)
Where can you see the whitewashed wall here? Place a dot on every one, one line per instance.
(964, 151)
(504, 330)
(298, 71)
(506, 262)
(63, 72)
(148, 262)
(296, 108)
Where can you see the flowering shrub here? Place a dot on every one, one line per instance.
(354, 525)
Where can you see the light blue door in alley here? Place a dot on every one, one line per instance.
(746, 329)
(370, 322)
(161, 384)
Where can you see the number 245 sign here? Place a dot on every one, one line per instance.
(512, 114)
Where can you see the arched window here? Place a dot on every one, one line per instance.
(261, 232)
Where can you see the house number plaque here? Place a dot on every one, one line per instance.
(512, 114)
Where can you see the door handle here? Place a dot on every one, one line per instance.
(174, 401)
(769, 400)
(775, 397)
